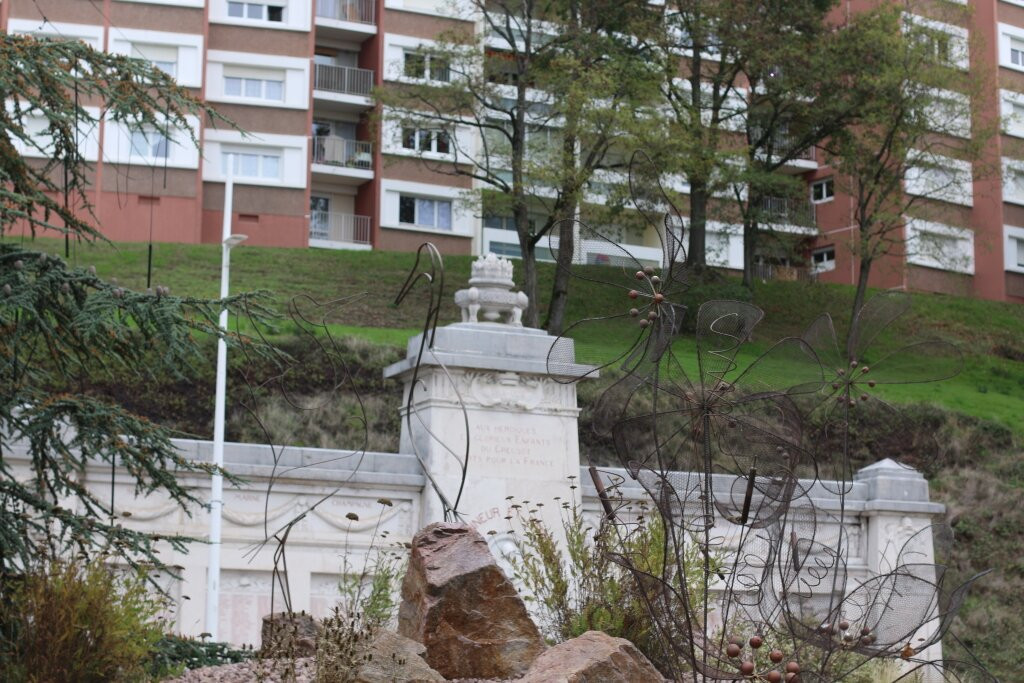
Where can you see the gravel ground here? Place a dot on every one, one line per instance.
(272, 672)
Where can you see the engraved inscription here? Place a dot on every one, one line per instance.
(512, 445)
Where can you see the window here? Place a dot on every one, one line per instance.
(426, 140)
(823, 260)
(716, 247)
(1020, 252)
(252, 165)
(941, 178)
(936, 247)
(1016, 52)
(822, 191)
(428, 213)
(937, 44)
(501, 67)
(254, 88)
(255, 10)
(506, 223)
(163, 57)
(149, 144)
(426, 66)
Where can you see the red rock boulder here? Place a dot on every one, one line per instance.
(462, 607)
(593, 657)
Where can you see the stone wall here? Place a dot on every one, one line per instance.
(886, 505)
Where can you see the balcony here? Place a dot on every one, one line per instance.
(783, 212)
(766, 272)
(332, 230)
(782, 144)
(339, 160)
(351, 20)
(342, 87)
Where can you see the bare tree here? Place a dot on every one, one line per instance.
(918, 143)
(529, 108)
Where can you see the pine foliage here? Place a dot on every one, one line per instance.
(60, 325)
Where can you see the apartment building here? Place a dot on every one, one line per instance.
(313, 169)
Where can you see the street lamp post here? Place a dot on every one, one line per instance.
(217, 482)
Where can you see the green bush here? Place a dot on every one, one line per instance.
(367, 603)
(172, 654)
(68, 621)
(577, 584)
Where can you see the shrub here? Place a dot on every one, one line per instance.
(77, 622)
(368, 603)
(577, 585)
(172, 654)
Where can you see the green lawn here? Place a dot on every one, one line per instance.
(991, 385)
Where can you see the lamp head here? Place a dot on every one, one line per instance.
(235, 240)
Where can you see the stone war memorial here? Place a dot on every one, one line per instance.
(484, 420)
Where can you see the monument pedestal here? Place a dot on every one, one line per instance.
(483, 396)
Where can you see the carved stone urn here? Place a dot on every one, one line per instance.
(490, 294)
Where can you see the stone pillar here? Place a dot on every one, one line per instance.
(897, 518)
(487, 384)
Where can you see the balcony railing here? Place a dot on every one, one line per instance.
(343, 79)
(359, 11)
(783, 145)
(335, 151)
(771, 271)
(786, 211)
(339, 227)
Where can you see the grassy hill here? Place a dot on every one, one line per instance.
(991, 334)
(968, 429)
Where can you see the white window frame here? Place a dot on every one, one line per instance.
(960, 191)
(294, 71)
(1013, 236)
(145, 141)
(88, 136)
(462, 140)
(824, 183)
(264, 5)
(266, 162)
(1013, 192)
(435, 211)
(428, 66)
(464, 222)
(189, 47)
(729, 252)
(827, 265)
(175, 3)
(1008, 35)
(263, 85)
(293, 151)
(432, 136)
(297, 15)
(962, 261)
(118, 146)
(1012, 122)
(397, 46)
(960, 59)
(451, 9)
(953, 111)
(88, 33)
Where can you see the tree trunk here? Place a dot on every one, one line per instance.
(560, 290)
(532, 315)
(863, 273)
(749, 246)
(696, 256)
(565, 209)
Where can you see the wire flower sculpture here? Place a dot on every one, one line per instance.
(735, 449)
(311, 318)
(433, 278)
